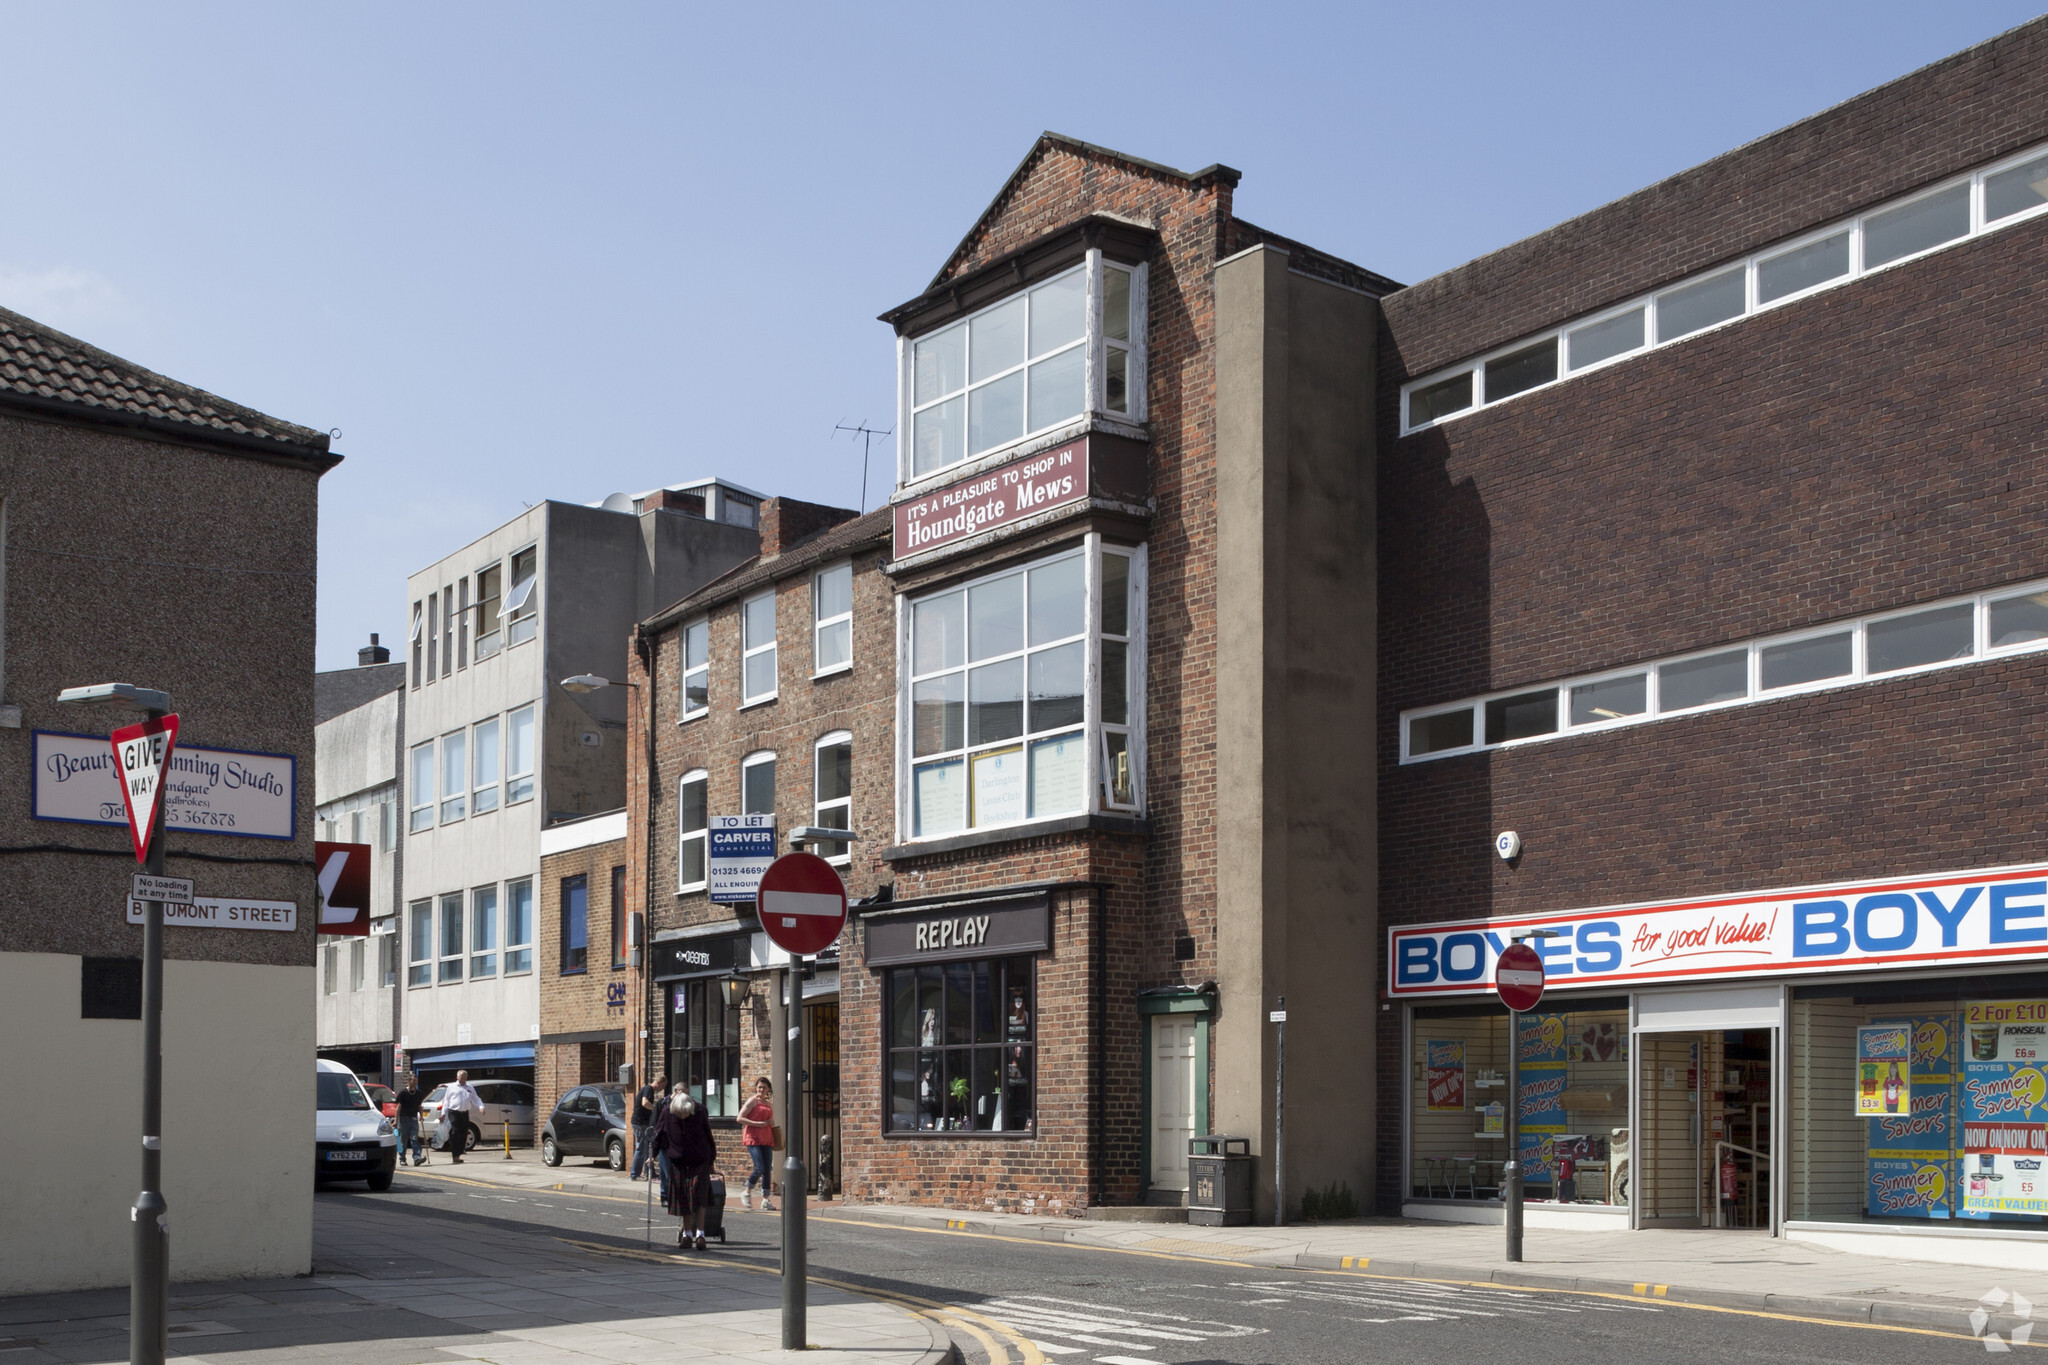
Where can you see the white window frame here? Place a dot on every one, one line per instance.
(1094, 372)
(330, 968)
(424, 795)
(520, 613)
(755, 760)
(819, 625)
(684, 710)
(701, 836)
(485, 792)
(455, 750)
(513, 793)
(819, 807)
(419, 968)
(515, 965)
(484, 947)
(451, 965)
(417, 641)
(490, 629)
(355, 965)
(1090, 727)
(1854, 224)
(1981, 650)
(749, 651)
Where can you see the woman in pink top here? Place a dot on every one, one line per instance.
(757, 1120)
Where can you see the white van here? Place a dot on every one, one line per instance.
(351, 1139)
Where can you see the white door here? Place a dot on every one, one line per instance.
(1173, 1099)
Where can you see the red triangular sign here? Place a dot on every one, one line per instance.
(142, 754)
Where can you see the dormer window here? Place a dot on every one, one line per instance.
(1025, 365)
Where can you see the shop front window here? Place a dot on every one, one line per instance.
(961, 1047)
(1574, 1120)
(1921, 1101)
(704, 1046)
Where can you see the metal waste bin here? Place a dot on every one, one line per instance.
(1219, 1181)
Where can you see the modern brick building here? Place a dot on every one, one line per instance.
(1711, 567)
(588, 986)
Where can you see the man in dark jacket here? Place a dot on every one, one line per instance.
(644, 1105)
(409, 1143)
(682, 1134)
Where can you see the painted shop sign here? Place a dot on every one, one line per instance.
(1984, 916)
(703, 956)
(214, 791)
(1007, 493)
(945, 933)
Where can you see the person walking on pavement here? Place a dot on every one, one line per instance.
(461, 1105)
(409, 1144)
(643, 1124)
(683, 1135)
(757, 1117)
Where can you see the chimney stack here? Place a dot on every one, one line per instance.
(372, 653)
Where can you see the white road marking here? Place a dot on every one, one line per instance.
(1051, 1350)
(1098, 1324)
(1121, 1360)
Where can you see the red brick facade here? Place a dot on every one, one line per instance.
(580, 1012)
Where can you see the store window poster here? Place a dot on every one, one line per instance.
(1541, 1042)
(2004, 1109)
(1884, 1063)
(1911, 1156)
(1444, 1070)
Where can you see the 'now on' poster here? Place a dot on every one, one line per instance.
(2004, 1108)
(1446, 1074)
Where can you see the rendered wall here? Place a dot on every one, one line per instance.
(238, 1116)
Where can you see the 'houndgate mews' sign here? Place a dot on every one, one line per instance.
(214, 791)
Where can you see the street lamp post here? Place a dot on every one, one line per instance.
(149, 1274)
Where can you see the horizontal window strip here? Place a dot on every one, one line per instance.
(1929, 219)
(1989, 625)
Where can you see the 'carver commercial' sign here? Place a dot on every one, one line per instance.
(1949, 917)
(1007, 493)
(217, 791)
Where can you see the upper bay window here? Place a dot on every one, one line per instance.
(1024, 694)
(757, 665)
(694, 647)
(1035, 361)
(521, 613)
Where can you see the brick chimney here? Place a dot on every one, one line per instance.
(785, 521)
(372, 653)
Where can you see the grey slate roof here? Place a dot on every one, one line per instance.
(833, 542)
(344, 689)
(39, 362)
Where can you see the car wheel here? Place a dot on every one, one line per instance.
(549, 1153)
(469, 1143)
(615, 1154)
(380, 1181)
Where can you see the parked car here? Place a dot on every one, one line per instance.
(588, 1121)
(351, 1140)
(506, 1103)
(384, 1097)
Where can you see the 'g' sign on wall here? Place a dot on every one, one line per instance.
(1909, 922)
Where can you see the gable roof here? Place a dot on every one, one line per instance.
(1048, 141)
(43, 369)
(833, 542)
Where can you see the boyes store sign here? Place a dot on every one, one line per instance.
(215, 791)
(1944, 918)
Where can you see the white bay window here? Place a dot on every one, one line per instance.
(1023, 695)
(1028, 364)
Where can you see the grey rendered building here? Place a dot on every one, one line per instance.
(158, 535)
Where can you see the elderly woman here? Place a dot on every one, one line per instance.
(682, 1137)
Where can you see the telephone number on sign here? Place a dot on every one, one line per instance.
(204, 819)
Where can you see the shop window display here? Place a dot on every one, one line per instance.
(1914, 1101)
(960, 1047)
(1574, 1118)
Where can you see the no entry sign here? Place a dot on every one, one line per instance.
(141, 753)
(1519, 977)
(802, 903)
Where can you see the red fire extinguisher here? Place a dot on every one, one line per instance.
(1728, 1177)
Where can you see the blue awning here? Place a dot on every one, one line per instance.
(503, 1054)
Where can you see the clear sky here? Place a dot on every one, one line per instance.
(516, 252)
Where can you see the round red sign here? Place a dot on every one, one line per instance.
(1519, 977)
(802, 903)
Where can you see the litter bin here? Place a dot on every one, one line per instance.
(1219, 1181)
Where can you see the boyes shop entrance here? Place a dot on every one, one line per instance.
(1843, 1063)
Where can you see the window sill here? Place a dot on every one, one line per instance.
(758, 701)
(694, 715)
(575, 971)
(835, 671)
(695, 889)
(958, 1135)
(1070, 824)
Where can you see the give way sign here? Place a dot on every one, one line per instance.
(141, 753)
(802, 903)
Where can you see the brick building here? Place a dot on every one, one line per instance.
(588, 984)
(1710, 567)
(772, 697)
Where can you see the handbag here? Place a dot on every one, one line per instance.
(777, 1130)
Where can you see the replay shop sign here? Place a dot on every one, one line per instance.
(213, 791)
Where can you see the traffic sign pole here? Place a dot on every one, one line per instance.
(1518, 978)
(149, 1279)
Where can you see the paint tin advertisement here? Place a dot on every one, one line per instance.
(1911, 1156)
(1884, 1061)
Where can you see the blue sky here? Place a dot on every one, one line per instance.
(516, 252)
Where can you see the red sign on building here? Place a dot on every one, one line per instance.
(1007, 493)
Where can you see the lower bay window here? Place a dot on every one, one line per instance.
(451, 937)
(1025, 694)
(483, 932)
(519, 926)
(833, 806)
(960, 1056)
(704, 1046)
(575, 923)
(420, 918)
(692, 822)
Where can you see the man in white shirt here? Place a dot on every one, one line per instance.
(462, 1105)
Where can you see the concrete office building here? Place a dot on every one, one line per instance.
(359, 740)
(497, 749)
(1711, 568)
(203, 588)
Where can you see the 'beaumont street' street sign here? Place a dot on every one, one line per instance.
(225, 912)
(218, 791)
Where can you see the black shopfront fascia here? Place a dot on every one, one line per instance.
(678, 959)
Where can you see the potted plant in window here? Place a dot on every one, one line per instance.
(958, 1089)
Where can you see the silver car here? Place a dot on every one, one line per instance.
(507, 1105)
